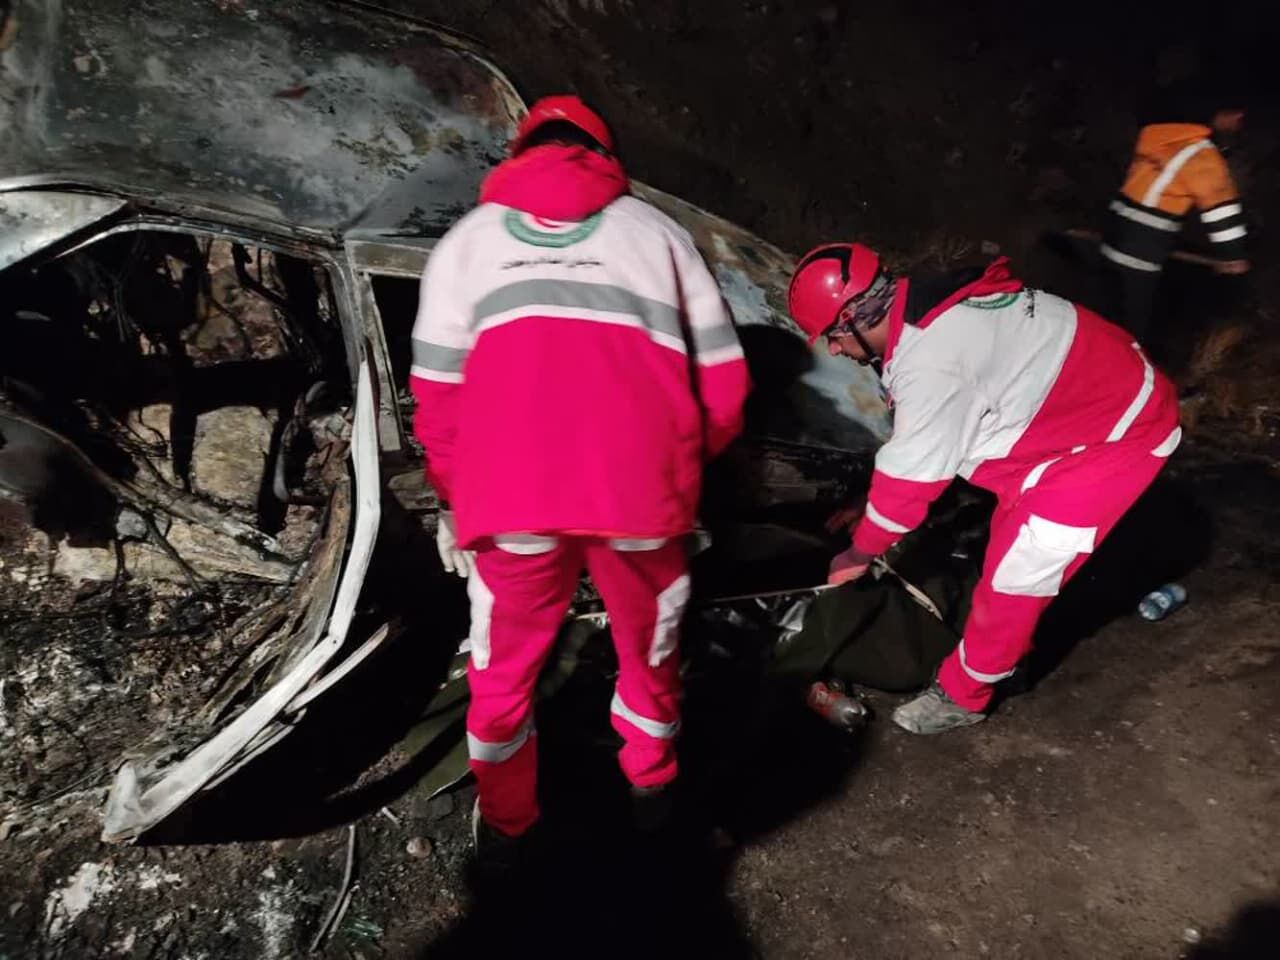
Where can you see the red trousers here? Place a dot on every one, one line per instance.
(520, 593)
(1041, 534)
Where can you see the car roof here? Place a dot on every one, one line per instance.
(315, 115)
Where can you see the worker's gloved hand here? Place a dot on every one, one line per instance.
(849, 566)
(452, 557)
(846, 517)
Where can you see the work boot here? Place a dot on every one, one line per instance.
(933, 712)
(651, 807)
(498, 855)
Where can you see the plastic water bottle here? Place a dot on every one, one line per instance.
(838, 708)
(1158, 604)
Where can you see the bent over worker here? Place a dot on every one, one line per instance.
(575, 367)
(1042, 402)
(1177, 166)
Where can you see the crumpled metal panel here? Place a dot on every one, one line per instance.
(31, 220)
(802, 394)
(306, 114)
(320, 116)
(147, 790)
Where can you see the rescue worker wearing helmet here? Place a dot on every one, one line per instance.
(575, 367)
(1044, 403)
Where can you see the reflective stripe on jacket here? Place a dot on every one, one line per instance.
(573, 377)
(1175, 167)
(997, 383)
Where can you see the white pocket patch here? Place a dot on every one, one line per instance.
(666, 632)
(1039, 556)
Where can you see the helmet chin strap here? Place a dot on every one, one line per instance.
(868, 310)
(873, 359)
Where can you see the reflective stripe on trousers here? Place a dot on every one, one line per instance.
(486, 752)
(654, 728)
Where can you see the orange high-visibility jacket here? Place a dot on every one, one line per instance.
(1175, 167)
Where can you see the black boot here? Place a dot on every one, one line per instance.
(652, 807)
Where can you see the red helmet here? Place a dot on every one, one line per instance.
(824, 282)
(568, 109)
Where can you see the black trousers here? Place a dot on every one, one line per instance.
(1131, 299)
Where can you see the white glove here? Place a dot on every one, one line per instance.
(453, 558)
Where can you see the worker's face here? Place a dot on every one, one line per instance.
(846, 346)
(1228, 121)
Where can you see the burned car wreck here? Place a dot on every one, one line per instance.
(212, 229)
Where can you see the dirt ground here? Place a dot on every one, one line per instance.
(1126, 805)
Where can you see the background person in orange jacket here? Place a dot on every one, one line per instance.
(1177, 166)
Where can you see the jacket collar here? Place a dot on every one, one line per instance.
(556, 182)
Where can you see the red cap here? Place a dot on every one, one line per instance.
(568, 109)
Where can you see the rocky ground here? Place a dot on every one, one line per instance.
(1125, 806)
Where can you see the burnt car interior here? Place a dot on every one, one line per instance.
(172, 434)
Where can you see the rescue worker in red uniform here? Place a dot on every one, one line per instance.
(1056, 411)
(1177, 166)
(575, 368)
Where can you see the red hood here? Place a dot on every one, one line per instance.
(556, 182)
(995, 279)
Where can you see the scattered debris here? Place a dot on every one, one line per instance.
(339, 903)
(276, 922)
(836, 707)
(64, 905)
(1162, 601)
(363, 930)
(419, 848)
(439, 807)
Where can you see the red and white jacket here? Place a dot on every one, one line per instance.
(573, 361)
(996, 382)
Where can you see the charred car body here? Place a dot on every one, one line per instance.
(213, 221)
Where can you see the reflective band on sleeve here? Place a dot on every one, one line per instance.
(715, 338)
(486, 752)
(1169, 445)
(1037, 472)
(1144, 217)
(433, 356)
(1140, 401)
(709, 358)
(1171, 170)
(1221, 213)
(654, 728)
(880, 520)
(582, 301)
(422, 373)
(1133, 263)
(1231, 233)
(637, 546)
(524, 544)
(978, 675)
